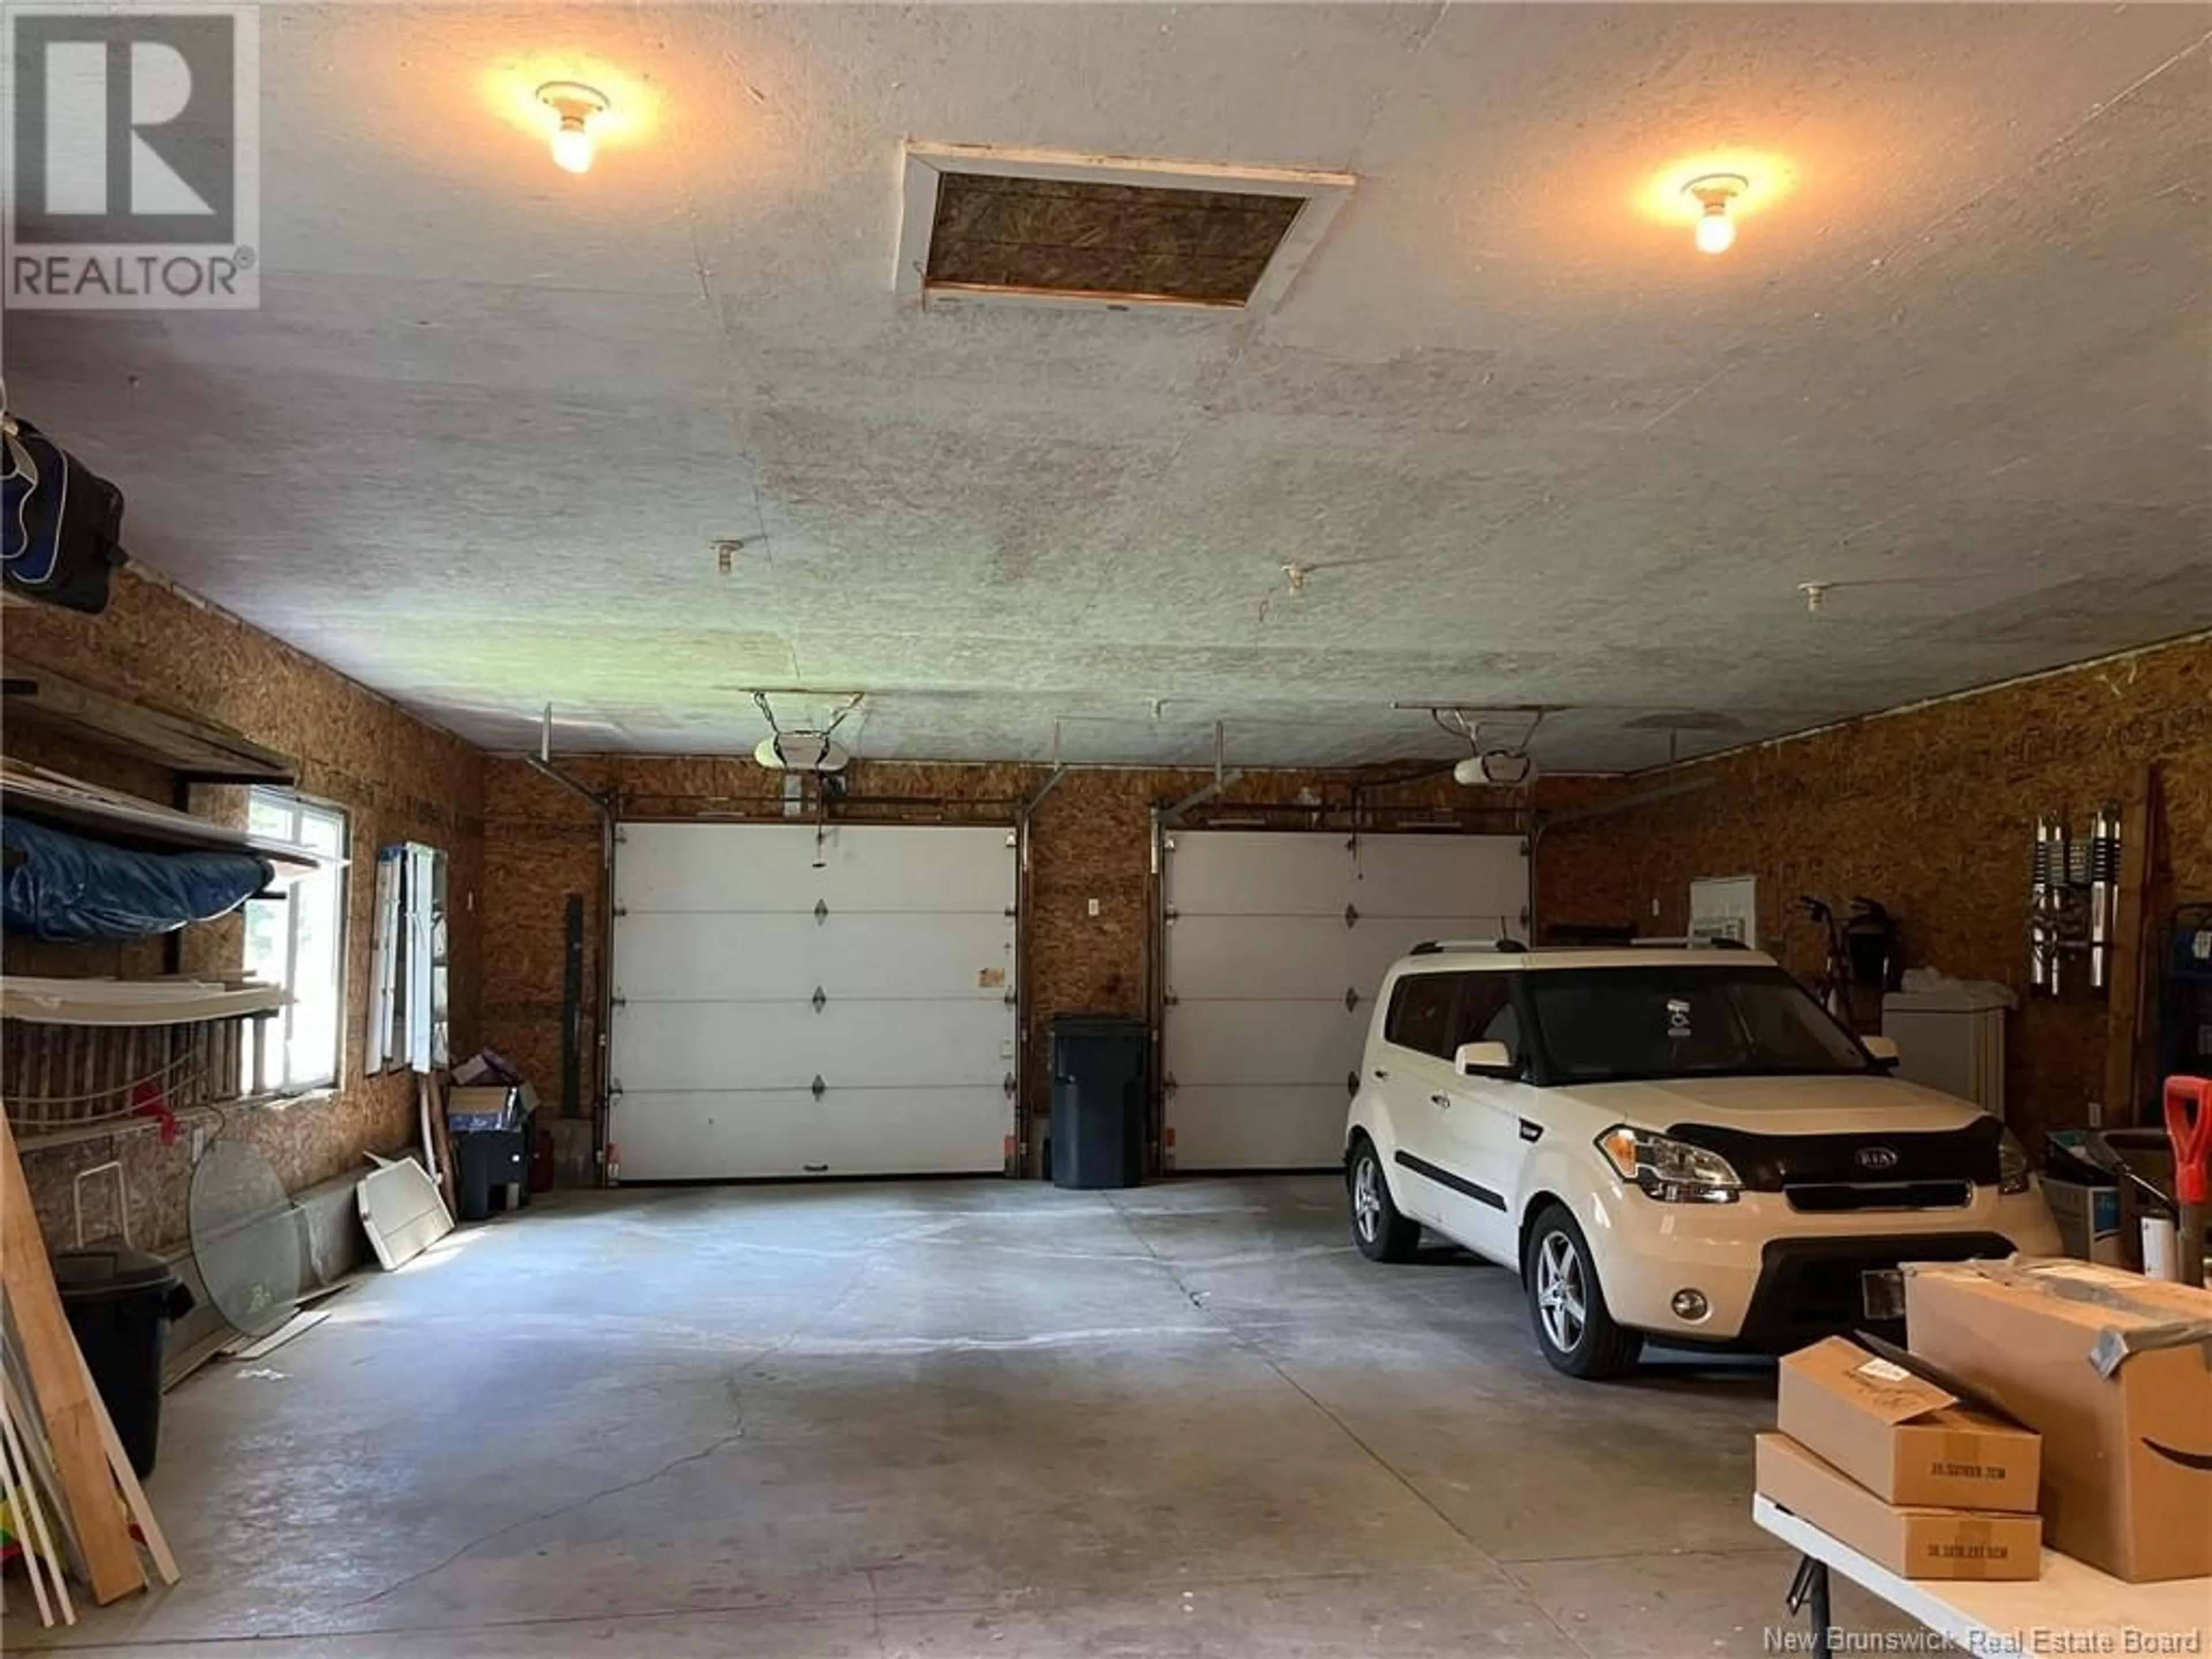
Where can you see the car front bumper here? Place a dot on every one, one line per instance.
(1773, 1277)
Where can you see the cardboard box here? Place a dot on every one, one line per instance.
(1916, 1542)
(1904, 1436)
(2115, 1372)
(2088, 1218)
(488, 1106)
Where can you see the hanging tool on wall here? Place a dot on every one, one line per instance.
(2073, 906)
(2103, 887)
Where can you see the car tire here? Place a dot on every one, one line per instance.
(1380, 1233)
(1566, 1305)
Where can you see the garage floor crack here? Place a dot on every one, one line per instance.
(555, 1513)
(1237, 1336)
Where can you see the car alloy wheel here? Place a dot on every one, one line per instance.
(1561, 1296)
(1366, 1198)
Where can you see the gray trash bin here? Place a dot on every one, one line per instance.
(1099, 1073)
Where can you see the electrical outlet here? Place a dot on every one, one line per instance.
(1094, 907)
(1655, 907)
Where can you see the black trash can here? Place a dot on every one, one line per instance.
(1099, 1074)
(120, 1302)
(486, 1162)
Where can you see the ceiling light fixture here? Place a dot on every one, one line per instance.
(1713, 193)
(575, 104)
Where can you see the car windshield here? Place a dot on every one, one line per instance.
(1618, 1024)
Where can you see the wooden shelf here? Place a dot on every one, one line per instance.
(121, 820)
(197, 751)
(134, 1002)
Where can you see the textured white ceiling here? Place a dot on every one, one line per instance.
(472, 448)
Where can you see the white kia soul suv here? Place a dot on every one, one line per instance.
(1670, 1142)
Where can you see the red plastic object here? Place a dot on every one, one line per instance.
(2189, 1126)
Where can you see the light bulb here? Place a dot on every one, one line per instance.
(574, 103)
(571, 146)
(1712, 193)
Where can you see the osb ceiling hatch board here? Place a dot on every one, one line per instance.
(1038, 227)
(1122, 240)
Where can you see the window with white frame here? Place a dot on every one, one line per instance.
(299, 941)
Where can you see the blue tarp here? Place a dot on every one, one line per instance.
(64, 887)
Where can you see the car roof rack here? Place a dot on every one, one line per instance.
(1690, 942)
(1436, 946)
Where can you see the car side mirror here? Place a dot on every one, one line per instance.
(1484, 1060)
(1881, 1050)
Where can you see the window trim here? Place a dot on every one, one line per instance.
(302, 806)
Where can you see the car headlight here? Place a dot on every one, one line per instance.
(1673, 1171)
(2014, 1171)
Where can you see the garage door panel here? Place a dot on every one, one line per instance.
(705, 867)
(1422, 877)
(728, 930)
(1230, 872)
(1274, 1041)
(1258, 958)
(1251, 1127)
(776, 1045)
(788, 1133)
(742, 958)
(1312, 958)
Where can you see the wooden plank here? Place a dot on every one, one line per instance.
(438, 1141)
(34, 1540)
(13, 1395)
(2141, 815)
(71, 1411)
(171, 738)
(258, 1347)
(134, 1495)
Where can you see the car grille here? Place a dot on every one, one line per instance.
(1830, 1197)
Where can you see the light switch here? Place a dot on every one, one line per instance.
(1094, 907)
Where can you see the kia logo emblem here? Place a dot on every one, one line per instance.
(1877, 1157)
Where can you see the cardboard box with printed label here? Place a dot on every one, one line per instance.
(2088, 1218)
(2114, 1371)
(1914, 1540)
(1902, 1436)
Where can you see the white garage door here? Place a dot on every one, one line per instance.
(1276, 943)
(789, 1008)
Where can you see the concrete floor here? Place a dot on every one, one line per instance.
(948, 1419)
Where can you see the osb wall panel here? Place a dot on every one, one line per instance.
(397, 778)
(1930, 811)
(1090, 839)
